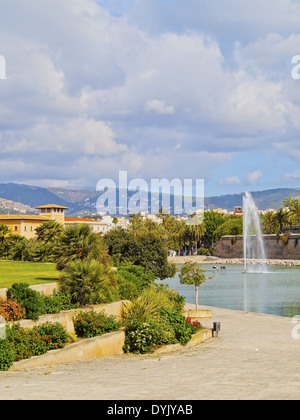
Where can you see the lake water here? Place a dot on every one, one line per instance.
(275, 293)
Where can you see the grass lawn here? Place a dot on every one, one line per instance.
(23, 272)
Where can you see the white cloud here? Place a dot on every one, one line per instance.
(254, 177)
(78, 136)
(160, 107)
(230, 180)
(88, 92)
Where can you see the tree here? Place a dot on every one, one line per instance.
(195, 232)
(269, 223)
(232, 226)
(4, 230)
(282, 217)
(294, 212)
(80, 242)
(49, 232)
(192, 274)
(212, 220)
(88, 282)
(146, 249)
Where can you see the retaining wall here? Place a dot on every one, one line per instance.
(47, 289)
(275, 247)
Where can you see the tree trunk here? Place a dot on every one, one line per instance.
(196, 297)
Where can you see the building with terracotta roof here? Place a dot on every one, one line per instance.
(22, 225)
(53, 212)
(25, 225)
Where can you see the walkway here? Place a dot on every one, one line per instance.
(254, 357)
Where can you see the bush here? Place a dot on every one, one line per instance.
(54, 335)
(59, 301)
(195, 325)
(7, 355)
(31, 300)
(91, 324)
(182, 329)
(144, 337)
(165, 297)
(11, 310)
(137, 275)
(36, 341)
(88, 282)
(203, 251)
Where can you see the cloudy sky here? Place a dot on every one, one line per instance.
(158, 88)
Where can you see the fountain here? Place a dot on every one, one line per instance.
(253, 240)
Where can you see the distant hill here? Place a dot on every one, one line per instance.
(264, 200)
(83, 202)
(31, 196)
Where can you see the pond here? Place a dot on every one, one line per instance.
(276, 292)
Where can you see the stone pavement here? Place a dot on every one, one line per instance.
(255, 357)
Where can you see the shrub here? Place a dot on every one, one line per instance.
(54, 334)
(25, 343)
(137, 275)
(91, 324)
(165, 297)
(88, 282)
(59, 301)
(36, 341)
(155, 319)
(144, 337)
(127, 290)
(31, 300)
(195, 325)
(143, 310)
(11, 310)
(7, 355)
(182, 329)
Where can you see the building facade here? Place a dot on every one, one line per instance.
(25, 225)
(97, 226)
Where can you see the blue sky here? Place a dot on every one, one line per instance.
(158, 88)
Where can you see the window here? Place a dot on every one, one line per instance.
(15, 228)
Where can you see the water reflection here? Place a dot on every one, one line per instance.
(276, 292)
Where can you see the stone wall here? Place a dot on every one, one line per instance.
(285, 247)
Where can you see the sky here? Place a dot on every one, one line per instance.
(194, 89)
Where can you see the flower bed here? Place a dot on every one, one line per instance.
(21, 343)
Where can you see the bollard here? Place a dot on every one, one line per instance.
(216, 329)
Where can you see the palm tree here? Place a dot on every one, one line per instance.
(88, 281)
(79, 242)
(294, 212)
(50, 231)
(195, 231)
(269, 223)
(282, 218)
(4, 230)
(136, 225)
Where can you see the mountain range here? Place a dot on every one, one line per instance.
(83, 202)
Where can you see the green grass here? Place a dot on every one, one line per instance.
(23, 272)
